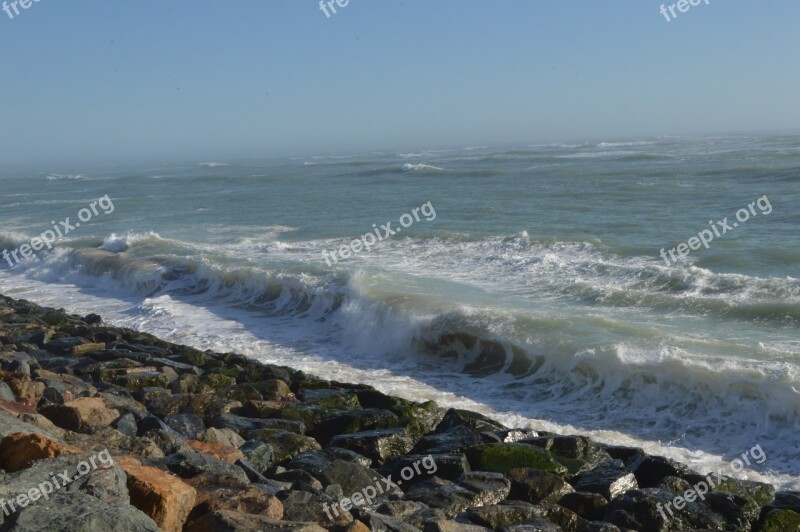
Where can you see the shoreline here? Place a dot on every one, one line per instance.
(245, 445)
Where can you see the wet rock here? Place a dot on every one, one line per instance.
(475, 422)
(610, 479)
(455, 440)
(248, 426)
(506, 513)
(473, 489)
(535, 486)
(446, 466)
(590, 506)
(354, 421)
(353, 477)
(411, 512)
(651, 470)
(379, 445)
(503, 457)
(652, 509)
(577, 453)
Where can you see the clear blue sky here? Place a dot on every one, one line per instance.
(92, 80)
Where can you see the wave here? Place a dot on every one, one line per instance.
(422, 168)
(59, 177)
(213, 164)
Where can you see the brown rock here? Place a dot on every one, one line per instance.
(263, 409)
(80, 350)
(165, 498)
(357, 526)
(26, 390)
(19, 450)
(80, 414)
(246, 499)
(15, 408)
(217, 450)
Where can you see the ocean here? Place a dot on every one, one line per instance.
(537, 294)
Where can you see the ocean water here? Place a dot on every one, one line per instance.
(535, 294)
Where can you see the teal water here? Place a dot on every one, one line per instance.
(537, 293)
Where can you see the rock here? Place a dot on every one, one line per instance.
(126, 424)
(163, 497)
(79, 512)
(447, 525)
(5, 392)
(247, 499)
(354, 477)
(187, 425)
(18, 451)
(237, 522)
(376, 521)
(189, 464)
(262, 409)
(258, 454)
(503, 457)
(506, 513)
(80, 414)
(590, 506)
(310, 507)
(610, 480)
(411, 512)
(651, 470)
(423, 467)
(379, 445)
(537, 524)
(222, 436)
(338, 399)
(536, 486)
(779, 521)
(576, 453)
(287, 445)
(207, 406)
(354, 421)
(247, 426)
(219, 451)
(455, 440)
(473, 489)
(477, 423)
(646, 509)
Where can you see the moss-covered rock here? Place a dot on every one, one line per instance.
(340, 399)
(286, 445)
(503, 457)
(779, 521)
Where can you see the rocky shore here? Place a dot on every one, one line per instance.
(205, 441)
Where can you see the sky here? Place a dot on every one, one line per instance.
(104, 81)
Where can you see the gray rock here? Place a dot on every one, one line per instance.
(446, 466)
(379, 445)
(126, 424)
(187, 464)
(5, 392)
(473, 489)
(587, 505)
(260, 455)
(537, 524)
(610, 480)
(534, 486)
(78, 512)
(187, 425)
(246, 426)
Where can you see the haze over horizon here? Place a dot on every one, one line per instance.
(204, 81)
